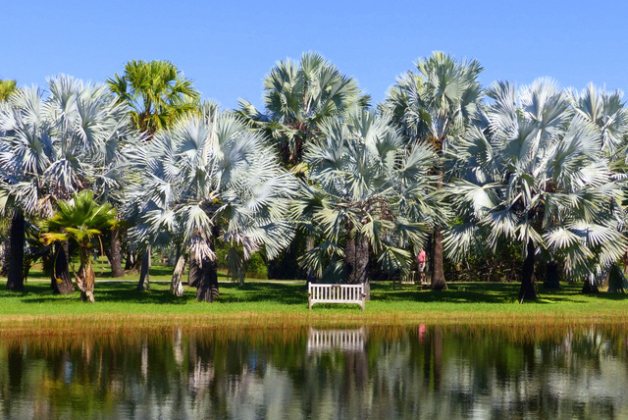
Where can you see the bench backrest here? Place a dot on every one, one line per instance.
(336, 293)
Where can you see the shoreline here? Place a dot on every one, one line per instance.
(54, 325)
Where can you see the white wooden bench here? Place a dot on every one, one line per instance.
(337, 293)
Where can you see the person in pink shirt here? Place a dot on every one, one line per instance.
(421, 260)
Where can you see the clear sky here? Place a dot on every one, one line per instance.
(228, 47)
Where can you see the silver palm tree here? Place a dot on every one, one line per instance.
(607, 112)
(210, 179)
(299, 98)
(535, 172)
(54, 146)
(436, 104)
(366, 194)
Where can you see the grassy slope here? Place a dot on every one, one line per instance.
(283, 303)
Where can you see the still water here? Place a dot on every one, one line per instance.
(381, 373)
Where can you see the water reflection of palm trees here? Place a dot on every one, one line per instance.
(394, 373)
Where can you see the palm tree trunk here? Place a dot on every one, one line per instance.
(206, 275)
(438, 271)
(527, 290)
(616, 279)
(356, 259)
(552, 276)
(60, 275)
(590, 287)
(195, 272)
(176, 286)
(115, 254)
(130, 261)
(4, 268)
(15, 274)
(207, 283)
(144, 283)
(86, 277)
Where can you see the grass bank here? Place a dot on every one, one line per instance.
(284, 304)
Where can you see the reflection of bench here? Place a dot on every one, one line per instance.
(320, 341)
(337, 293)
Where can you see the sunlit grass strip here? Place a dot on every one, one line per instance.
(283, 304)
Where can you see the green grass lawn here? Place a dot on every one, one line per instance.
(267, 302)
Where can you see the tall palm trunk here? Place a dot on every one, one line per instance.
(527, 290)
(144, 283)
(15, 274)
(60, 275)
(356, 259)
(115, 254)
(176, 285)
(438, 271)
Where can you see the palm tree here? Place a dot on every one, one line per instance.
(51, 148)
(7, 87)
(299, 98)
(434, 105)
(535, 173)
(368, 195)
(156, 92)
(607, 113)
(158, 95)
(81, 220)
(210, 179)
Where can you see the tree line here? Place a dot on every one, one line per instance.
(532, 178)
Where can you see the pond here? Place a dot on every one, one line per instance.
(414, 372)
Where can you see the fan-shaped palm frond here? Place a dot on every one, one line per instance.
(156, 92)
(547, 184)
(299, 99)
(367, 192)
(211, 178)
(81, 220)
(53, 146)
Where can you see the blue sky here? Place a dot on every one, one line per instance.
(228, 47)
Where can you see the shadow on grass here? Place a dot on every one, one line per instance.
(291, 293)
(125, 292)
(287, 294)
(106, 292)
(477, 293)
(456, 293)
